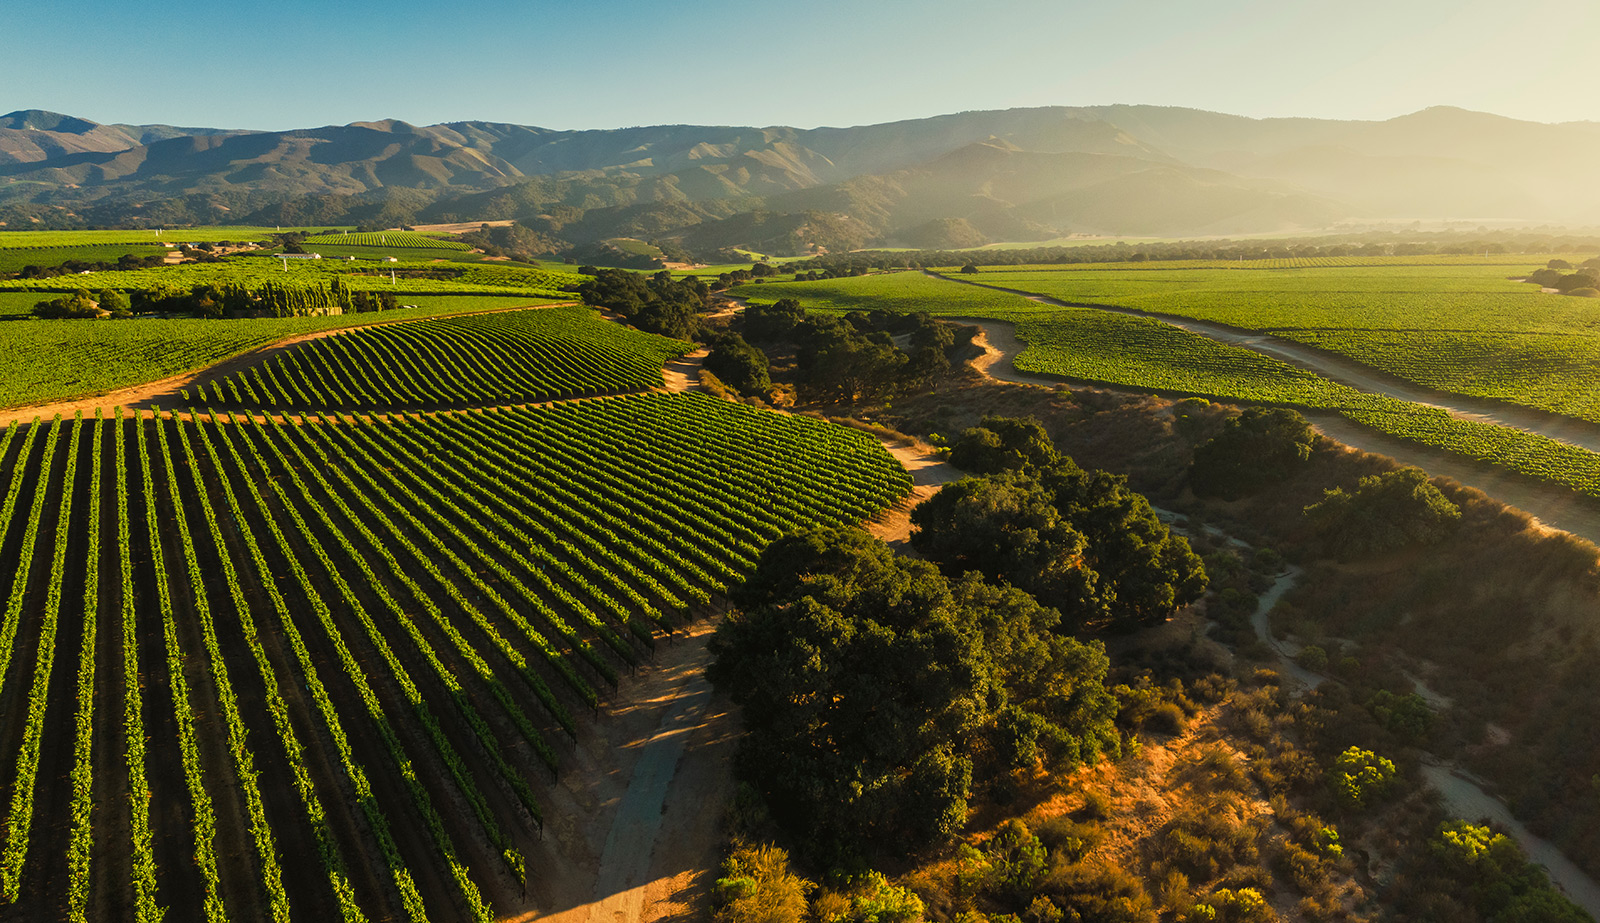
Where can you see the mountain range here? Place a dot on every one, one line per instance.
(952, 180)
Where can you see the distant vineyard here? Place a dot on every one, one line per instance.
(1093, 345)
(411, 276)
(338, 626)
(1292, 262)
(52, 360)
(10, 239)
(1444, 328)
(13, 259)
(408, 239)
(512, 357)
(1468, 330)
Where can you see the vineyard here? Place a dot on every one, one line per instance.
(377, 638)
(1538, 367)
(256, 270)
(1514, 260)
(54, 360)
(38, 239)
(1470, 331)
(409, 240)
(512, 357)
(13, 259)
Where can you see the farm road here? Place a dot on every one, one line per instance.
(1554, 506)
(639, 829)
(1462, 794)
(928, 474)
(1346, 372)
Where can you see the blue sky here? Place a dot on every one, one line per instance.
(610, 63)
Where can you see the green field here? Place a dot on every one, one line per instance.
(13, 259)
(42, 361)
(1469, 330)
(895, 291)
(9, 239)
(486, 278)
(1089, 345)
(408, 240)
(12, 303)
(504, 358)
(1515, 260)
(422, 611)
(404, 254)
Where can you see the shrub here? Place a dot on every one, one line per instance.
(1206, 842)
(757, 886)
(1224, 905)
(1313, 658)
(1360, 777)
(1068, 839)
(871, 898)
(1258, 447)
(1385, 512)
(1016, 860)
(1408, 716)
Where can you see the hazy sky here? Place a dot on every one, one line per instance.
(609, 63)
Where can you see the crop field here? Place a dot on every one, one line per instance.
(1513, 260)
(1407, 297)
(895, 291)
(53, 360)
(10, 239)
(1468, 331)
(15, 258)
(255, 270)
(327, 669)
(13, 303)
(1095, 346)
(409, 240)
(405, 254)
(1084, 344)
(506, 358)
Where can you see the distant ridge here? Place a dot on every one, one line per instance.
(1015, 174)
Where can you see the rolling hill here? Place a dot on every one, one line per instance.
(1016, 174)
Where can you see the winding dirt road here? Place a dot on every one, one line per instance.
(1345, 371)
(1554, 506)
(928, 474)
(1462, 794)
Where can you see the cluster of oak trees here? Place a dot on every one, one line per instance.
(876, 688)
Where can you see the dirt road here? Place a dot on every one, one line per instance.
(636, 821)
(1348, 372)
(1463, 796)
(928, 474)
(1554, 506)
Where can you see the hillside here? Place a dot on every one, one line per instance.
(1018, 174)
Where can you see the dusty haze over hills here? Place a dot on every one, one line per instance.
(953, 180)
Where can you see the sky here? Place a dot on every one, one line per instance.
(614, 63)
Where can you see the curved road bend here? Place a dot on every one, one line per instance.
(1349, 372)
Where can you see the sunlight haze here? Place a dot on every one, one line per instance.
(612, 63)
